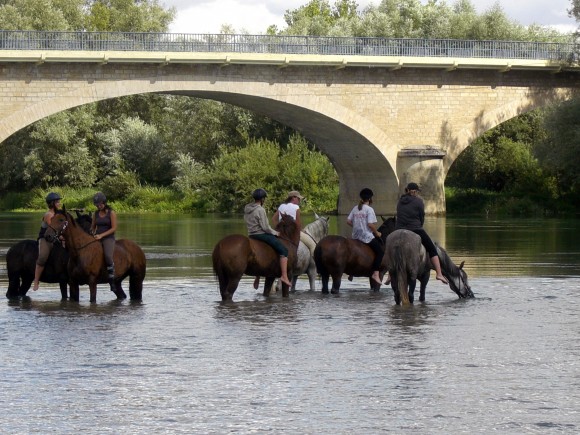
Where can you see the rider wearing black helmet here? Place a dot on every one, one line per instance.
(44, 247)
(363, 221)
(411, 216)
(259, 229)
(103, 227)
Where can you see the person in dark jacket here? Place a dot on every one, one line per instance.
(411, 216)
(259, 229)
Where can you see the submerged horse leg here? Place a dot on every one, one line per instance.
(412, 285)
(74, 291)
(119, 292)
(269, 286)
(93, 288)
(336, 281)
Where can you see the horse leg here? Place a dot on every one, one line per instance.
(336, 281)
(14, 288)
(135, 287)
(394, 286)
(424, 279)
(324, 278)
(24, 285)
(119, 292)
(268, 286)
(311, 272)
(74, 291)
(412, 285)
(93, 288)
(63, 289)
(228, 286)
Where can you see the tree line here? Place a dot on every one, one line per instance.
(176, 153)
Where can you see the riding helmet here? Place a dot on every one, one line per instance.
(98, 198)
(366, 194)
(52, 196)
(259, 194)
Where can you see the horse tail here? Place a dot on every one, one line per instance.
(318, 260)
(400, 267)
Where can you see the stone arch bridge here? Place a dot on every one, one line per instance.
(382, 120)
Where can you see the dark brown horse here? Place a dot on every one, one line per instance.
(21, 262)
(236, 255)
(87, 261)
(408, 262)
(337, 255)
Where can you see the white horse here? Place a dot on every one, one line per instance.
(304, 258)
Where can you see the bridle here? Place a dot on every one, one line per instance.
(57, 233)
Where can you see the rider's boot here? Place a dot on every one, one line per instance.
(111, 273)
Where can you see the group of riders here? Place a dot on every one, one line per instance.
(362, 219)
(103, 227)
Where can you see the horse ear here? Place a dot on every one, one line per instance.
(383, 218)
(64, 208)
(461, 265)
(316, 216)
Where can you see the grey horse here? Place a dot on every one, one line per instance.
(408, 262)
(315, 231)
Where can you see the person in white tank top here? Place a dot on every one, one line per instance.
(291, 207)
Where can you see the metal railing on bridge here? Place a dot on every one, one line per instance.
(274, 44)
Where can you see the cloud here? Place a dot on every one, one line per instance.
(254, 16)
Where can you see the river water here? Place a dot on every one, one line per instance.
(180, 361)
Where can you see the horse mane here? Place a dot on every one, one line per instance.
(317, 227)
(287, 227)
(447, 265)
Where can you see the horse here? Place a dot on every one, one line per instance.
(86, 263)
(337, 255)
(408, 262)
(236, 255)
(21, 263)
(305, 260)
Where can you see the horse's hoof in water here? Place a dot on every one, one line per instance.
(334, 292)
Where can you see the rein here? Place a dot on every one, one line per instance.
(310, 235)
(312, 238)
(288, 240)
(64, 227)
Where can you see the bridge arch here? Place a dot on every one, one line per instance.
(381, 120)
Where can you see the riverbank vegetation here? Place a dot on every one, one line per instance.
(168, 153)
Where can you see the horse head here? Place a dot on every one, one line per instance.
(84, 220)
(317, 229)
(58, 225)
(387, 227)
(460, 283)
(457, 277)
(288, 229)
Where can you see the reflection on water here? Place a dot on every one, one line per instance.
(180, 246)
(181, 361)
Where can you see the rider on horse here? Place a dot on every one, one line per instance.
(411, 216)
(259, 229)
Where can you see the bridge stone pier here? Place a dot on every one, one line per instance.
(382, 122)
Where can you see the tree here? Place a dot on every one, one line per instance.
(128, 16)
(235, 173)
(41, 14)
(559, 150)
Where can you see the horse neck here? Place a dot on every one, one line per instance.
(447, 265)
(316, 229)
(75, 237)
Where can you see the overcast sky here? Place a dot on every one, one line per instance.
(207, 16)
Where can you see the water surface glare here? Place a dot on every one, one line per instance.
(183, 362)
